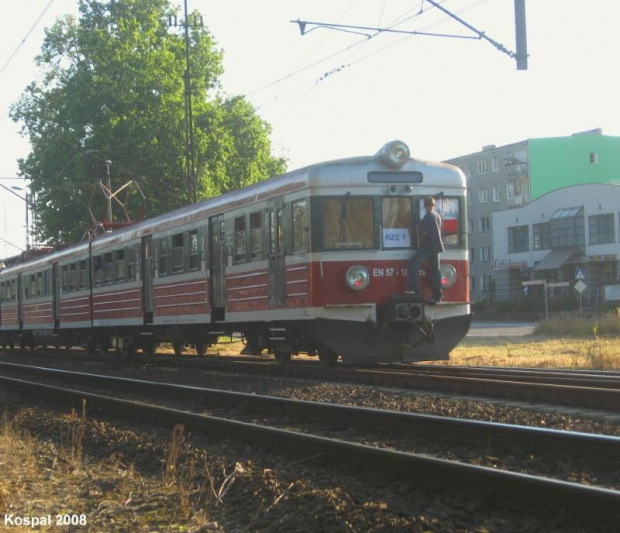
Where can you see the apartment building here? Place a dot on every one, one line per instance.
(508, 177)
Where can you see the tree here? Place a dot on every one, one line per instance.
(113, 90)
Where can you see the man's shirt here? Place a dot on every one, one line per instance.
(431, 224)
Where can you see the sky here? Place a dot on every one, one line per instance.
(332, 94)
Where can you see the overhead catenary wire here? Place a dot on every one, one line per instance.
(23, 41)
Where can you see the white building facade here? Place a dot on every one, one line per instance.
(567, 235)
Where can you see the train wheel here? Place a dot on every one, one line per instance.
(149, 348)
(201, 349)
(327, 356)
(127, 350)
(283, 355)
(178, 348)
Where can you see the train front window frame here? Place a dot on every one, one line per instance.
(451, 212)
(348, 223)
(396, 215)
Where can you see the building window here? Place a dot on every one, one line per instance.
(483, 166)
(602, 229)
(510, 191)
(594, 158)
(518, 239)
(483, 195)
(472, 255)
(470, 226)
(472, 283)
(497, 193)
(542, 236)
(567, 227)
(485, 224)
(466, 168)
(485, 253)
(485, 282)
(468, 196)
(495, 164)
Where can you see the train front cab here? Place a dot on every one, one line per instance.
(365, 238)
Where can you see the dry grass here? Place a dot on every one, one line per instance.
(535, 351)
(56, 475)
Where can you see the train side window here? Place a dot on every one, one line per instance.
(72, 276)
(82, 279)
(130, 261)
(97, 270)
(396, 222)
(348, 223)
(65, 278)
(178, 253)
(120, 266)
(29, 286)
(163, 256)
(240, 246)
(256, 236)
(194, 251)
(108, 268)
(39, 284)
(46, 282)
(300, 226)
(273, 243)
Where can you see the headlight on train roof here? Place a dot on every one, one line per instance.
(357, 278)
(448, 275)
(394, 154)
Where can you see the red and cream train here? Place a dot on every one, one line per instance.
(313, 261)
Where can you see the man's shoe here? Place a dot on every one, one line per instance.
(435, 301)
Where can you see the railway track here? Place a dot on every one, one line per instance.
(593, 389)
(510, 487)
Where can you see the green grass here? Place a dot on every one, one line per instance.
(603, 325)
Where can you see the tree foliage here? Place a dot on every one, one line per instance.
(113, 89)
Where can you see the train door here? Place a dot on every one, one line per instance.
(277, 265)
(147, 271)
(56, 295)
(217, 267)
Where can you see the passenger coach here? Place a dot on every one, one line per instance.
(314, 261)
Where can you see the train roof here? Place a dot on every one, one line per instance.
(329, 174)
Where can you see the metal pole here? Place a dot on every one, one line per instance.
(27, 224)
(109, 195)
(191, 171)
(546, 301)
(521, 35)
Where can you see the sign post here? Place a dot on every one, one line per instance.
(580, 286)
